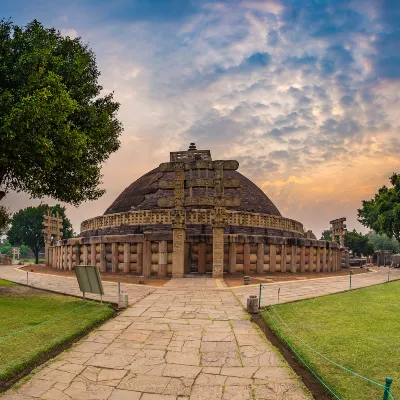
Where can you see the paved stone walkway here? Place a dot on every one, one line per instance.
(187, 340)
(305, 289)
(69, 285)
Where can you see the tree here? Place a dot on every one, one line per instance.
(358, 243)
(382, 213)
(383, 242)
(326, 235)
(55, 128)
(27, 227)
(5, 218)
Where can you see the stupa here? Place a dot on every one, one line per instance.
(194, 215)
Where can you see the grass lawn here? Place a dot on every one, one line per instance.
(359, 330)
(24, 311)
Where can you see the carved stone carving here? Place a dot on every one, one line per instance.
(178, 218)
(218, 252)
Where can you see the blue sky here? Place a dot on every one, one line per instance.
(305, 94)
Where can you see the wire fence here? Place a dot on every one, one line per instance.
(276, 319)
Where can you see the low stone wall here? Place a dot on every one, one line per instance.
(151, 253)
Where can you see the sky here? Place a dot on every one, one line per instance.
(303, 93)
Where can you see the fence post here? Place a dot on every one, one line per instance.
(387, 388)
(279, 290)
(389, 275)
(351, 274)
(27, 279)
(259, 298)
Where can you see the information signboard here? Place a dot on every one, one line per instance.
(89, 279)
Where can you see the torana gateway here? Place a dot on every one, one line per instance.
(194, 215)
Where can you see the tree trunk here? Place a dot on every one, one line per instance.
(36, 253)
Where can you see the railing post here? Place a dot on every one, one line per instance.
(279, 290)
(389, 275)
(259, 298)
(387, 388)
(351, 274)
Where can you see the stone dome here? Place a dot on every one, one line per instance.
(145, 191)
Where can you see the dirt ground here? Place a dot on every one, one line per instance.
(107, 276)
(233, 280)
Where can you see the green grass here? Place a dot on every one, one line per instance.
(26, 310)
(6, 283)
(359, 330)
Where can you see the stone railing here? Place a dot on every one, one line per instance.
(196, 216)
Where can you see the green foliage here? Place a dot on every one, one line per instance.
(27, 227)
(382, 213)
(5, 218)
(383, 242)
(6, 248)
(358, 243)
(55, 128)
(326, 235)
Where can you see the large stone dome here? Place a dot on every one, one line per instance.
(145, 191)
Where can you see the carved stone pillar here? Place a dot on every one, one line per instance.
(272, 258)
(77, 250)
(139, 253)
(232, 257)
(260, 258)
(85, 260)
(54, 264)
(311, 259)
(71, 248)
(218, 252)
(114, 257)
(163, 259)
(103, 261)
(146, 258)
(179, 237)
(302, 258)
(127, 258)
(202, 263)
(93, 254)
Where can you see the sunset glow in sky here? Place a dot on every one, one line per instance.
(304, 94)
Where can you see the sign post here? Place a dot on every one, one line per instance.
(89, 280)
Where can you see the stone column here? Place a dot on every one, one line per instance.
(302, 258)
(127, 258)
(218, 252)
(293, 264)
(139, 253)
(272, 257)
(77, 249)
(163, 259)
(70, 257)
(103, 261)
(65, 261)
(260, 258)
(58, 257)
(179, 238)
(54, 264)
(202, 257)
(324, 266)
(93, 254)
(311, 259)
(318, 267)
(85, 260)
(114, 257)
(46, 252)
(283, 258)
(146, 258)
(246, 258)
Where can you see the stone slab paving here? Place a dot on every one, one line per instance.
(69, 285)
(306, 289)
(188, 340)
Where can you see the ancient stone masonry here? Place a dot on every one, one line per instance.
(338, 228)
(52, 231)
(195, 215)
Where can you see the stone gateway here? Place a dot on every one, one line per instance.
(194, 215)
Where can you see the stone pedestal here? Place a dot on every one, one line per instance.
(114, 257)
(232, 257)
(127, 258)
(163, 259)
(202, 257)
(178, 255)
(218, 252)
